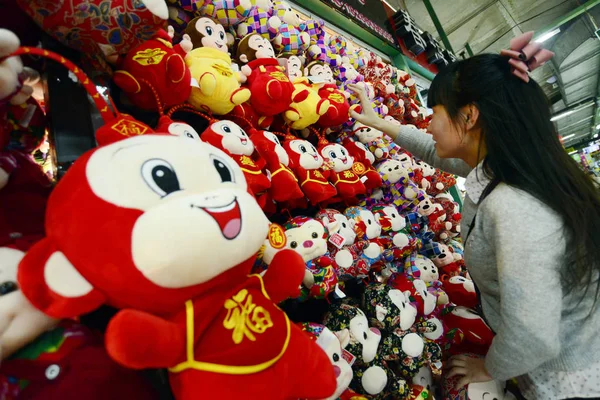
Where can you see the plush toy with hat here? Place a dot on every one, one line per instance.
(448, 262)
(158, 290)
(307, 164)
(96, 28)
(271, 89)
(236, 143)
(333, 345)
(353, 257)
(219, 88)
(156, 65)
(373, 139)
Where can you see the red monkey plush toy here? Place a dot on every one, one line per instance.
(164, 229)
(233, 140)
(271, 89)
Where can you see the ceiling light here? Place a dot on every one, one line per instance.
(569, 112)
(547, 35)
(573, 152)
(596, 136)
(551, 80)
(568, 137)
(598, 126)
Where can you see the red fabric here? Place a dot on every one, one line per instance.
(271, 89)
(23, 201)
(85, 371)
(339, 109)
(284, 184)
(459, 295)
(157, 62)
(476, 335)
(362, 165)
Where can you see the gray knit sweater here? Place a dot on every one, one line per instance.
(514, 254)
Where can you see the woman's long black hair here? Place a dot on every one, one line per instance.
(524, 151)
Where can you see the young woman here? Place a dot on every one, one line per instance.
(531, 226)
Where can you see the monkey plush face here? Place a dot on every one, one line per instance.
(338, 156)
(205, 32)
(253, 47)
(321, 71)
(294, 67)
(234, 138)
(279, 150)
(308, 156)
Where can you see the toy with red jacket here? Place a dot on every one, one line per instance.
(183, 183)
(342, 176)
(155, 65)
(363, 163)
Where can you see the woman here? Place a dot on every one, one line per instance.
(533, 248)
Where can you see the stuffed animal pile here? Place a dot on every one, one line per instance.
(277, 250)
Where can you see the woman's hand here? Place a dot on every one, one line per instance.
(368, 116)
(472, 370)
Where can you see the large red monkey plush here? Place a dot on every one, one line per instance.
(164, 229)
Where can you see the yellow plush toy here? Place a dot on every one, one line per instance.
(219, 88)
(307, 106)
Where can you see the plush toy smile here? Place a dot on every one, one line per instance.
(229, 218)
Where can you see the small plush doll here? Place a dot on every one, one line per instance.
(219, 88)
(448, 262)
(461, 291)
(284, 184)
(233, 140)
(371, 374)
(389, 309)
(179, 20)
(363, 164)
(346, 182)
(320, 51)
(271, 89)
(422, 268)
(398, 188)
(307, 106)
(396, 240)
(215, 327)
(425, 300)
(228, 13)
(333, 346)
(307, 164)
(483, 390)
(352, 257)
(373, 139)
(261, 20)
(97, 28)
(290, 36)
(367, 228)
(466, 331)
(155, 68)
(308, 237)
(339, 109)
(440, 183)
(436, 215)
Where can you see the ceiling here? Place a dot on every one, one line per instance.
(571, 81)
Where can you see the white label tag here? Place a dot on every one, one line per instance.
(349, 357)
(337, 240)
(363, 178)
(316, 79)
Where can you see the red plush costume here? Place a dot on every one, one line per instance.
(468, 331)
(307, 164)
(166, 230)
(363, 163)
(339, 108)
(342, 176)
(284, 184)
(233, 140)
(271, 89)
(158, 63)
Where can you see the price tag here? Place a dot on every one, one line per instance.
(349, 357)
(337, 240)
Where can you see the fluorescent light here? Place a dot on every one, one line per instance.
(569, 112)
(598, 126)
(568, 137)
(548, 35)
(596, 136)
(573, 152)
(390, 6)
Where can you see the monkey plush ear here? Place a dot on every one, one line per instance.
(53, 285)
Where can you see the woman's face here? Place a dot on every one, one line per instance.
(451, 139)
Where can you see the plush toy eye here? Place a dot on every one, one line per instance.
(315, 235)
(226, 129)
(303, 148)
(344, 225)
(160, 176)
(369, 221)
(365, 335)
(390, 170)
(335, 357)
(332, 154)
(425, 268)
(222, 35)
(209, 31)
(368, 129)
(343, 152)
(224, 171)
(293, 245)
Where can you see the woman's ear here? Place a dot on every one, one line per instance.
(471, 113)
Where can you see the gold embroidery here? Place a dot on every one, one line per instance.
(280, 76)
(318, 174)
(337, 98)
(223, 70)
(149, 56)
(129, 128)
(348, 174)
(245, 318)
(359, 168)
(245, 160)
(277, 237)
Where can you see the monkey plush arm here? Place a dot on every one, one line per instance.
(284, 276)
(139, 340)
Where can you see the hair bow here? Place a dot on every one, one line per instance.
(525, 55)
